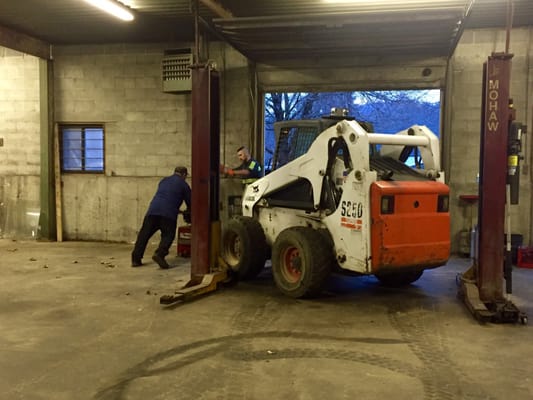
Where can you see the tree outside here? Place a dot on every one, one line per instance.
(388, 111)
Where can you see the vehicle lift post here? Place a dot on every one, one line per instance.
(481, 286)
(207, 268)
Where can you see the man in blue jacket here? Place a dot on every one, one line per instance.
(162, 215)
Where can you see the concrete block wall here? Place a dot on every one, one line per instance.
(20, 149)
(147, 133)
(464, 131)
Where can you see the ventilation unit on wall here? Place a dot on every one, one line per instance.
(176, 71)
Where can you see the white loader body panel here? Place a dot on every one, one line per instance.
(349, 225)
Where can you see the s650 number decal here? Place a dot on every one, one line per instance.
(352, 209)
(351, 215)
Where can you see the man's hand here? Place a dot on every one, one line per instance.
(227, 171)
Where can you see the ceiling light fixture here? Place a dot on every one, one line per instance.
(114, 8)
(374, 2)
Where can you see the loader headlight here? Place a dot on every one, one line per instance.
(443, 203)
(387, 204)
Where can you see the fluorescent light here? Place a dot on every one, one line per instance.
(375, 2)
(114, 8)
(347, 1)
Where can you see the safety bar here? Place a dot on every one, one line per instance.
(405, 140)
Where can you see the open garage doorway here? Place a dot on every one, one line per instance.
(388, 111)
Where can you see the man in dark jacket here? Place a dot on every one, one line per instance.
(162, 215)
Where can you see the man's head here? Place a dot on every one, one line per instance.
(181, 171)
(243, 153)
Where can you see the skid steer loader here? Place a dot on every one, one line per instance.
(339, 198)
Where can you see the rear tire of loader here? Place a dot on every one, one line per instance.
(399, 279)
(244, 247)
(301, 262)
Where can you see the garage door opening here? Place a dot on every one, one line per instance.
(388, 111)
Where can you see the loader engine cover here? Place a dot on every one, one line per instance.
(410, 224)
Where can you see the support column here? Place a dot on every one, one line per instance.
(47, 221)
(493, 175)
(205, 170)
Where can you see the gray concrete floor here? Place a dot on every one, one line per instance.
(77, 322)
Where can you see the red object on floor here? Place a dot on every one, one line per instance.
(525, 257)
(184, 241)
(469, 198)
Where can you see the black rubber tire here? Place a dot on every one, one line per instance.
(301, 262)
(244, 247)
(399, 279)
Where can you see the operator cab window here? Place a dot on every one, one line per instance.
(293, 142)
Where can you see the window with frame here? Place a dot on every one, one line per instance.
(82, 148)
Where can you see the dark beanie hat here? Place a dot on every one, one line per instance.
(181, 170)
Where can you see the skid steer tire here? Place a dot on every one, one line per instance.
(244, 247)
(399, 279)
(301, 262)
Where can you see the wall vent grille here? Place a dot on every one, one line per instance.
(176, 71)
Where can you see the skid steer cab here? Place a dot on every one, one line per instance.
(340, 198)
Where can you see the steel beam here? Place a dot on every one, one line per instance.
(47, 217)
(493, 175)
(205, 165)
(24, 43)
(217, 8)
(481, 287)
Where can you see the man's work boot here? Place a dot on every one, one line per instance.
(136, 262)
(161, 261)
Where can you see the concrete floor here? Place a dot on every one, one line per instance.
(77, 322)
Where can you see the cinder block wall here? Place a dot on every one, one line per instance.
(465, 108)
(20, 152)
(147, 133)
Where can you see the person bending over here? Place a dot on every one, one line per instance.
(162, 215)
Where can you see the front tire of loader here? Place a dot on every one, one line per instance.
(301, 262)
(244, 247)
(399, 279)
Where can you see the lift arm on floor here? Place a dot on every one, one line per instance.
(195, 288)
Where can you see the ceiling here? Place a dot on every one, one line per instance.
(267, 30)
